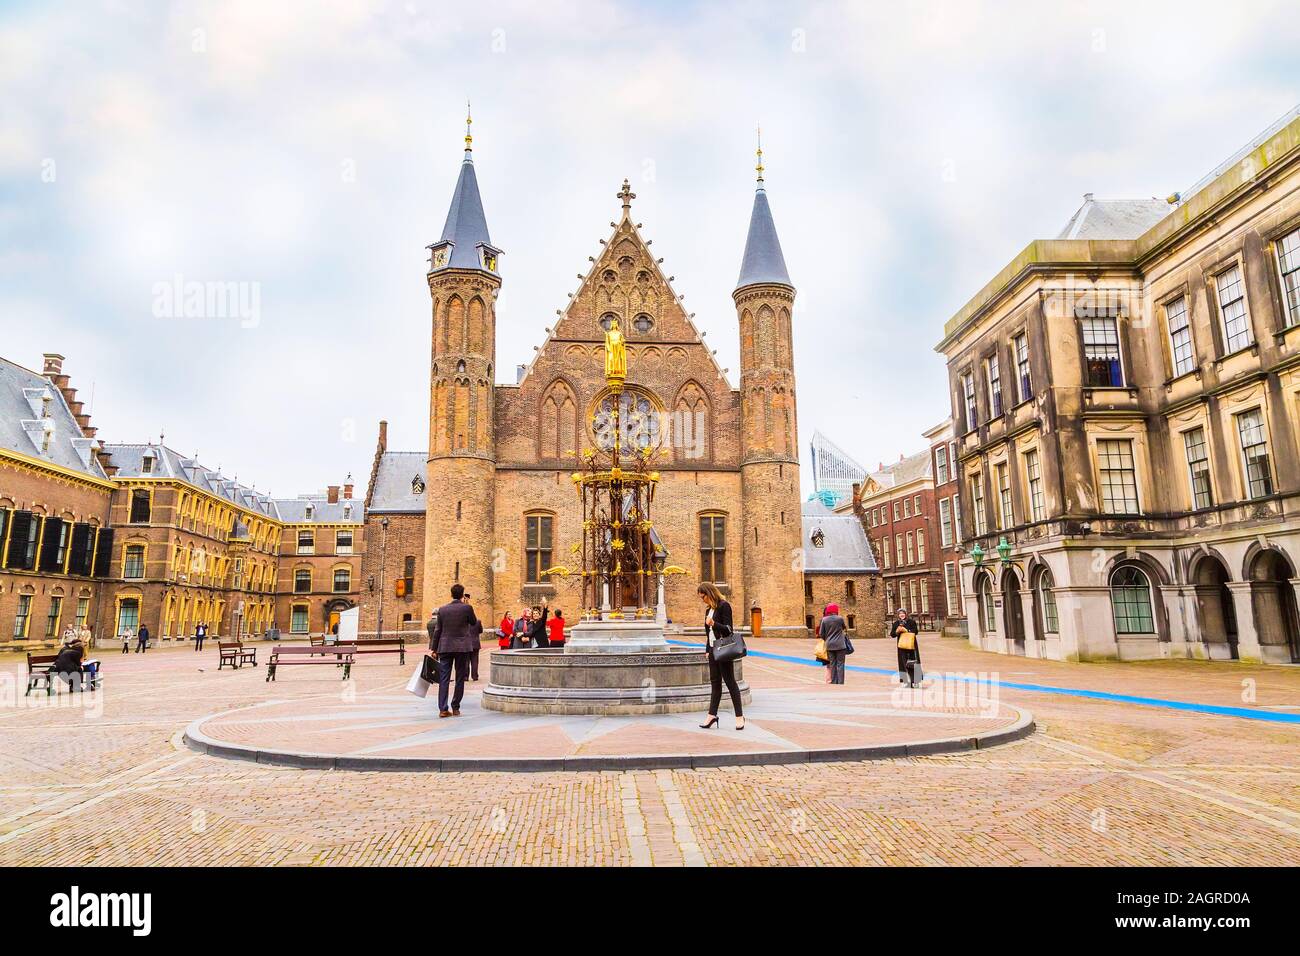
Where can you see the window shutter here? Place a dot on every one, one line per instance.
(50, 545)
(16, 556)
(103, 553)
(80, 560)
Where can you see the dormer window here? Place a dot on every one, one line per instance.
(146, 465)
(417, 485)
(489, 261)
(818, 539)
(347, 511)
(311, 509)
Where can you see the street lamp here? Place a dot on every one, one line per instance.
(1004, 550)
(977, 555)
(383, 566)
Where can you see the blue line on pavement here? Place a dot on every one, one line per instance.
(1243, 712)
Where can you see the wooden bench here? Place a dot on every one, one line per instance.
(235, 654)
(40, 673)
(386, 645)
(297, 654)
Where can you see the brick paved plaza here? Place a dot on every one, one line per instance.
(1099, 782)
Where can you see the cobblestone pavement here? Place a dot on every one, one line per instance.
(107, 782)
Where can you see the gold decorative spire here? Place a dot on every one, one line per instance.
(469, 120)
(759, 167)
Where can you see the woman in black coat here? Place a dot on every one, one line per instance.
(717, 623)
(909, 661)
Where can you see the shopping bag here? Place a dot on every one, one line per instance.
(819, 650)
(906, 641)
(423, 678)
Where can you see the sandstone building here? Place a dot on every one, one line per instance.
(1126, 398)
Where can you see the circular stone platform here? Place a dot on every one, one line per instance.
(392, 730)
(562, 681)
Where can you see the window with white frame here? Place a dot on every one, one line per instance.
(1198, 467)
(920, 546)
(916, 505)
(941, 465)
(1024, 386)
(1103, 368)
(968, 400)
(911, 555)
(1232, 309)
(907, 508)
(1180, 336)
(1118, 476)
(995, 385)
(1047, 602)
(950, 587)
(343, 542)
(898, 550)
(1005, 515)
(945, 522)
(897, 513)
(987, 609)
(956, 517)
(884, 550)
(298, 619)
(1254, 451)
(1288, 259)
(977, 505)
(1130, 598)
(1034, 480)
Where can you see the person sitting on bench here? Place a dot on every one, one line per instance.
(67, 667)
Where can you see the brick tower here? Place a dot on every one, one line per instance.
(463, 284)
(769, 469)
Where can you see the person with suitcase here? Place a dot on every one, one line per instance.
(904, 631)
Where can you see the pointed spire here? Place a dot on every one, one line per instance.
(763, 261)
(466, 224)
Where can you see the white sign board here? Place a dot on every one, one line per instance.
(348, 622)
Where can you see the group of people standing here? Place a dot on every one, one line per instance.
(531, 629)
(140, 638)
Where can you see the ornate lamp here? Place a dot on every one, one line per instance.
(977, 555)
(1004, 550)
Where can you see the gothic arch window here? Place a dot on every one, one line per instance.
(477, 326)
(455, 324)
(558, 432)
(642, 324)
(764, 334)
(691, 423)
(460, 366)
(987, 608)
(610, 276)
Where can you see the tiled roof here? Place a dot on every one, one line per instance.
(844, 543)
(911, 468)
(323, 511)
(31, 408)
(169, 463)
(393, 492)
(466, 224)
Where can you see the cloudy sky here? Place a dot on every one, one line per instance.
(308, 151)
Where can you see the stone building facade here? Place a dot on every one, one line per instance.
(494, 491)
(1126, 398)
(945, 526)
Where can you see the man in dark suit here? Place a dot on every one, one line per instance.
(478, 645)
(453, 635)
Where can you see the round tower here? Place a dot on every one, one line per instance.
(464, 280)
(769, 469)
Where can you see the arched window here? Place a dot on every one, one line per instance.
(1130, 599)
(1047, 616)
(987, 611)
(342, 580)
(538, 538)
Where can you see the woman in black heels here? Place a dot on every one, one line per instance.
(717, 623)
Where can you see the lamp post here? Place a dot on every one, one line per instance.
(383, 567)
(977, 555)
(1004, 551)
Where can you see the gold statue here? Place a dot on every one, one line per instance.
(615, 353)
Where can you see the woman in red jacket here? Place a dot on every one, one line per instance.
(556, 627)
(505, 630)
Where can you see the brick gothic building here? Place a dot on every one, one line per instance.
(492, 494)
(1126, 402)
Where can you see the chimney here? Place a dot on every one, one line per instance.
(347, 487)
(53, 364)
(383, 436)
(333, 496)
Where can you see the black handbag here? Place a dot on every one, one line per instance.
(848, 645)
(728, 646)
(429, 670)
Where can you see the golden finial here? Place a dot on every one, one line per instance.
(627, 196)
(469, 120)
(759, 167)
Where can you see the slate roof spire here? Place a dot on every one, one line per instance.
(763, 261)
(465, 243)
